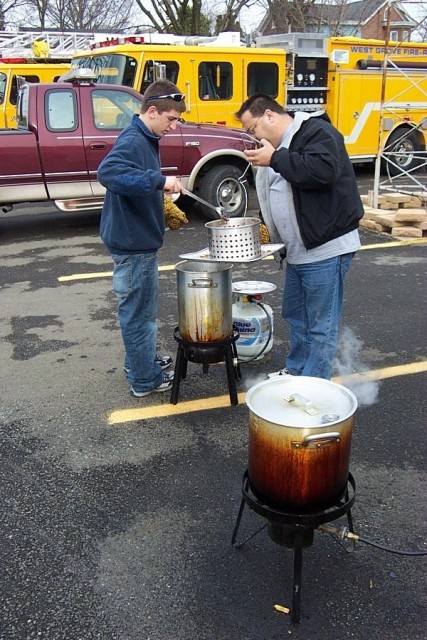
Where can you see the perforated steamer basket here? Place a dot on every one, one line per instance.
(234, 239)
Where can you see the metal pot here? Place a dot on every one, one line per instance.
(299, 441)
(204, 301)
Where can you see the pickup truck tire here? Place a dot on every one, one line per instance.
(221, 186)
(401, 146)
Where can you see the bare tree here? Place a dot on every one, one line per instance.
(175, 16)
(228, 20)
(84, 15)
(180, 17)
(6, 9)
(418, 11)
(190, 17)
(422, 30)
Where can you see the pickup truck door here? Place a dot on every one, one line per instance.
(172, 153)
(61, 142)
(112, 110)
(107, 112)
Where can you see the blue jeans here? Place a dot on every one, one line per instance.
(136, 285)
(312, 306)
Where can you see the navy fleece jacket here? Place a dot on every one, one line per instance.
(132, 218)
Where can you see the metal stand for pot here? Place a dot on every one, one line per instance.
(294, 530)
(207, 353)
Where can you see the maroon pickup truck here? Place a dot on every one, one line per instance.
(65, 129)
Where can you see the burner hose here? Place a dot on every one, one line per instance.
(400, 552)
(344, 532)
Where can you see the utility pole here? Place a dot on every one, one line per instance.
(382, 99)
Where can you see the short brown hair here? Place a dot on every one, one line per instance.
(162, 88)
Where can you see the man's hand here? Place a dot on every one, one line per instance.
(260, 157)
(174, 217)
(172, 185)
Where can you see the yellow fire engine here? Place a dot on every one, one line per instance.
(215, 74)
(11, 69)
(376, 109)
(36, 56)
(303, 71)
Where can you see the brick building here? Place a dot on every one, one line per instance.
(365, 18)
(375, 25)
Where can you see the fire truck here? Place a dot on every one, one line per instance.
(34, 56)
(13, 71)
(378, 109)
(375, 95)
(216, 74)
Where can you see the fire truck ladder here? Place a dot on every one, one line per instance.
(58, 44)
(399, 179)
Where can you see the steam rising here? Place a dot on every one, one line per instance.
(350, 368)
(252, 380)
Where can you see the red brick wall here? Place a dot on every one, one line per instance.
(376, 26)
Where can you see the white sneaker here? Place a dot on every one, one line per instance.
(282, 372)
(165, 385)
(163, 361)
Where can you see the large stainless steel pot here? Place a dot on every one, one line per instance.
(204, 301)
(300, 432)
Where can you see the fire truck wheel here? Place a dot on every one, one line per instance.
(221, 186)
(401, 145)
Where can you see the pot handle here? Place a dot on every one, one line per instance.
(202, 283)
(302, 401)
(317, 441)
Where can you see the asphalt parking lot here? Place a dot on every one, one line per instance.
(117, 513)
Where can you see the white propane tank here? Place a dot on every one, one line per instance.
(252, 318)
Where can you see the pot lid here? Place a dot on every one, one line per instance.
(252, 287)
(301, 401)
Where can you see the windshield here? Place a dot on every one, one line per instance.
(3, 79)
(112, 68)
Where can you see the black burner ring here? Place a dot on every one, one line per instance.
(313, 519)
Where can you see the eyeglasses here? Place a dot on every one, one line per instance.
(252, 129)
(177, 97)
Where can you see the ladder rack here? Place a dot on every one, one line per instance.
(59, 43)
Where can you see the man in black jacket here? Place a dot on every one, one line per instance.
(309, 201)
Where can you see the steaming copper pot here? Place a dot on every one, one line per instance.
(300, 432)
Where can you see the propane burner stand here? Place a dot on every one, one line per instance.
(294, 530)
(207, 353)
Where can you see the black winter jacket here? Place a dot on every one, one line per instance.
(326, 197)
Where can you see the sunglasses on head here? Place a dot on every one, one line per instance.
(177, 97)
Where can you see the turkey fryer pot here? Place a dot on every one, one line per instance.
(299, 441)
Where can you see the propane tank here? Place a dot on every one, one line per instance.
(252, 318)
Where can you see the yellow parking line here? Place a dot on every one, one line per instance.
(386, 372)
(165, 410)
(103, 274)
(85, 276)
(170, 267)
(219, 402)
(396, 243)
